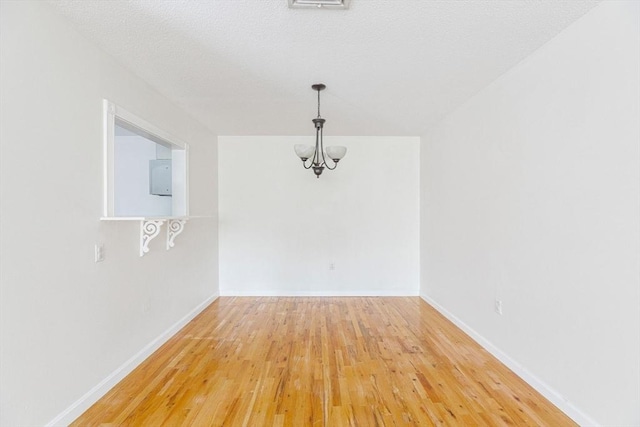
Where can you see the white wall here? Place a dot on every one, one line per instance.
(67, 322)
(131, 180)
(530, 194)
(281, 227)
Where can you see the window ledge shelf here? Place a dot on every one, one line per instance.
(148, 218)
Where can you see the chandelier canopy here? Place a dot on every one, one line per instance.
(317, 154)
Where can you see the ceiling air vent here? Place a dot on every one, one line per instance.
(322, 4)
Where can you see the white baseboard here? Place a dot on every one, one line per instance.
(541, 387)
(92, 396)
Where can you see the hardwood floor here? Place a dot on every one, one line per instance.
(322, 362)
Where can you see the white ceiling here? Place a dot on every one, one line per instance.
(392, 67)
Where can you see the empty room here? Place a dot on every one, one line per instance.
(319, 213)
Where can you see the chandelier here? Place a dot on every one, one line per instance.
(317, 154)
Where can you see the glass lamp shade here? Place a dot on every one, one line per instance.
(304, 151)
(336, 152)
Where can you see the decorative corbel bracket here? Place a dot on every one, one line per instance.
(149, 229)
(174, 227)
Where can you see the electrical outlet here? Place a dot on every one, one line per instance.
(498, 306)
(99, 252)
(332, 266)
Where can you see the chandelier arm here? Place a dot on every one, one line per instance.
(324, 160)
(316, 156)
(304, 164)
(335, 165)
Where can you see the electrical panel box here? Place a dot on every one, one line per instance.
(160, 177)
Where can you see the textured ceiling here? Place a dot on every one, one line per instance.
(392, 67)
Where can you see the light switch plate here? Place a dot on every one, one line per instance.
(99, 252)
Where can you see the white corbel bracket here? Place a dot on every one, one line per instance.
(149, 229)
(174, 227)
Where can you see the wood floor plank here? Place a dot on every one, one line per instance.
(358, 361)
